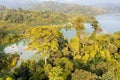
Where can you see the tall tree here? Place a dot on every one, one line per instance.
(44, 40)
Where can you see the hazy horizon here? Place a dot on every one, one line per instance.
(86, 2)
(23, 3)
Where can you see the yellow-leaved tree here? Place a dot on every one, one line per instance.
(44, 40)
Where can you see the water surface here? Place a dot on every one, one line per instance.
(20, 48)
(110, 23)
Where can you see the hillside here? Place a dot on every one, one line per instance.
(58, 41)
(69, 9)
(110, 7)
(15, 4)
(2, 8)
(29, 17)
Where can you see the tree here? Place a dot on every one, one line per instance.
(79, 25)
(9, 78)
(56, 73)
(74, 46)
(46, 42)
(39, 74)
(96, 27)
(83, 75)
(65, 64)
(23, 72)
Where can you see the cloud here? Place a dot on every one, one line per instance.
(59, 0)
(87, 2)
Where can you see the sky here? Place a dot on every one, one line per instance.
(23, 3)
(87, 2)
(68, 1)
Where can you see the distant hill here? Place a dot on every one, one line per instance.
(51, 6)
(15, 4)
(110, 7)
(2, 8)
(69, 9)
(30, 17)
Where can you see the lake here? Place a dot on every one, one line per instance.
(108, 22)
(20, 48)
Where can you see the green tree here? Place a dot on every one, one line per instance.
(74, 46)
(79, 25)
(56, 73)
(83, 75)
(96, 27)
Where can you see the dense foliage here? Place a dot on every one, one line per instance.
(86, 57)
(32, 18)
(80, 59)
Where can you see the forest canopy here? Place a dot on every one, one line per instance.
(87, 56)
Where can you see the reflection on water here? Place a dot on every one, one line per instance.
(20, 49)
